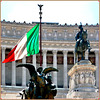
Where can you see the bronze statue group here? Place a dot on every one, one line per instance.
(40, 85)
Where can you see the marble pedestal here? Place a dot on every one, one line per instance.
(82, 81)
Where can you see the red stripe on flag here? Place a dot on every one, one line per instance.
(11, 56)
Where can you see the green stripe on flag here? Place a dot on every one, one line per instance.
(33, 41)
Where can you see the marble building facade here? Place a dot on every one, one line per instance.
(58, 43)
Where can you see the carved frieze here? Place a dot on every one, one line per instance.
(82, 78)
(82, 75)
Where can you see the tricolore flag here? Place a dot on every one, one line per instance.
(26, 46)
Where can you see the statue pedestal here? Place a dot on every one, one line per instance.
(82, 81)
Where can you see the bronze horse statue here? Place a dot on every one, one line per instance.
(82, 45)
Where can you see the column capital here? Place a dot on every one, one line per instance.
(44, 51)
(3, 48)
(54, 51)
(96, 51)
(65, 51)
(74, 51)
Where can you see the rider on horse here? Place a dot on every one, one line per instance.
(82, 43)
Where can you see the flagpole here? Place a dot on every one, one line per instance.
(40, 6)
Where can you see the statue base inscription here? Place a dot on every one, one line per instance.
(82, 81)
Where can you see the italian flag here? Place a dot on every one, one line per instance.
(26, 46)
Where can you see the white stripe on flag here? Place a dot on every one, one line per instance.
(21, 50)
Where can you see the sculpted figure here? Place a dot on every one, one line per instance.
(78, 36)
(76, 78)
(87, 77)
(73, 82)
(82, 78)
(40, 87)
(91, 79)
(70, 83)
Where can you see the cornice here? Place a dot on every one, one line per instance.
(48, 23)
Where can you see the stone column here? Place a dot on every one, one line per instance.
(86, 55)
(24, 72)
(13, 73)
(3, 66)
(34, 60)
(55, 66)
(97, 65)
(65, 76)
(44, 59)
(74, 56)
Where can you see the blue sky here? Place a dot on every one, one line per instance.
(69, 12)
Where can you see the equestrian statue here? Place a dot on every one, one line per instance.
(40, 85)
(82, 43)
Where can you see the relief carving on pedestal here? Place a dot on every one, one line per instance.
(87, 77)
(82, 77)
(72, 83)
(77, 78)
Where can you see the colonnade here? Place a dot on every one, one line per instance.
(65, 67)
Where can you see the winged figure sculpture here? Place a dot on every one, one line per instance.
(40, 85)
